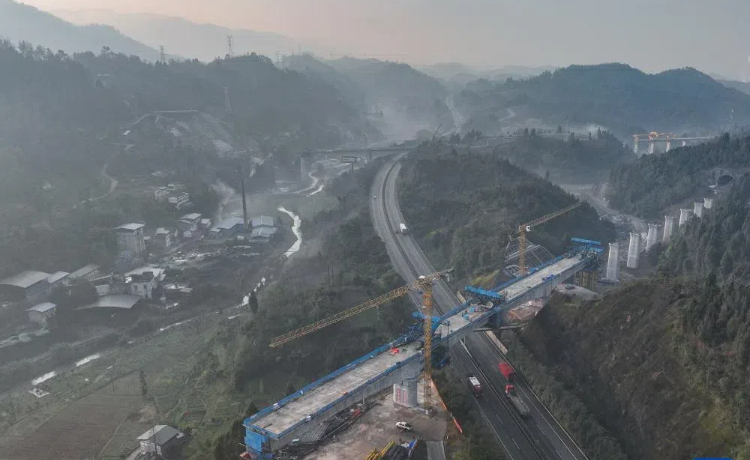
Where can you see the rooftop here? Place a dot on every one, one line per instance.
(229, 223)
(57, 276)
(192, 216)
(114, 301)
(130, 227)
(156, 271)
(162, 231)
(263, 221)
(160, 434)
(25, 279)
(81, 272)
(42, 307)
(263, 232)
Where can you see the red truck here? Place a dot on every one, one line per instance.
(510, 391)
(508, 372)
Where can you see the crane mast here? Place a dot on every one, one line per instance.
(427, 301)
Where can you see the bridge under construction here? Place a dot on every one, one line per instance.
(301, 418)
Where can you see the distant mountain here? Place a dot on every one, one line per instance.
(616, 96)
(179, 36)
(457, 73)
(22, 22)
(400, 100)
(738, 85)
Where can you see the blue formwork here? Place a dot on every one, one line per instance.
(492, 295)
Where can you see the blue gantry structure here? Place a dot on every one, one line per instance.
(303, 417)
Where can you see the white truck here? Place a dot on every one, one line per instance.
(402, 228)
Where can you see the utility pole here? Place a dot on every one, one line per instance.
(230, 50)
(244, 202)
(278, 59)
(162, 57)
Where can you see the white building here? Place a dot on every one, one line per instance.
(130, 238)
(143, 281)
(40, 314)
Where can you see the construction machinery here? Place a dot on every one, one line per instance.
(423, 284)
(525, 228)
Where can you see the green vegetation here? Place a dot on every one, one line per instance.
(477, 443)
(662, 362)
(573, 160)
(617, 96)
(652, 183)
(580, 422)
(464, 208)
(351, 267)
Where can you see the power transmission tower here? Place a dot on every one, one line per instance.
(230, 50)
(226, 100)
(162, 57)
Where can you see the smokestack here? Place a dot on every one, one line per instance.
(634, 250)
(684, 216)
(244, 200)
(614, 254)
(708, 203)
(668, 228)
(653, 231)
(698, 209)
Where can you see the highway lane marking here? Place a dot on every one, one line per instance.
(550, 414)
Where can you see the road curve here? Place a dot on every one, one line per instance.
(538, 437)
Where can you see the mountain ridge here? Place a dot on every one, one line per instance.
(23, 22)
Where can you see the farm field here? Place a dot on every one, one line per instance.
(97, 410)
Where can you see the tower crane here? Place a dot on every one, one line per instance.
(525, 228)
(423, 284)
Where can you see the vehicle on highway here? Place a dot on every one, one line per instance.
(403, 426)
(475, 386)
(402, 228)
(516, 401)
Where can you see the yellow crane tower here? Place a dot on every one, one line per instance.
(423, 283)
(525, 228)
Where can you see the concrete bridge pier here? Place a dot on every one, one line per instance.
(406, 393)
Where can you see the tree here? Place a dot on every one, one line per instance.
(144, 388)
(546, 175)
(253, 302)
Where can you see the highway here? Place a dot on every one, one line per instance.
(537, 437)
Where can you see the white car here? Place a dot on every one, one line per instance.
(403, 426)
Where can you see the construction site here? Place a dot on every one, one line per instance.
(302, 424)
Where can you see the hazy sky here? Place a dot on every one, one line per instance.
(711, 35)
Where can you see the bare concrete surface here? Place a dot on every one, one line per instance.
(376, 428)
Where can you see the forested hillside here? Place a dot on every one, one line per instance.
(588, 159)
(663, 362)
(464, 208)
(617, 96)
(352, 266)
(653, 182)
(59, 120)
(400, 100)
